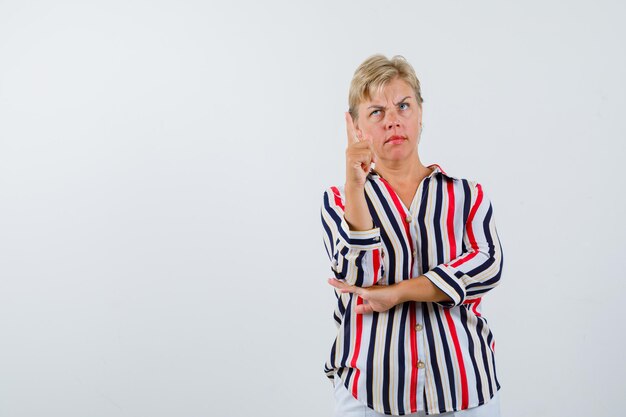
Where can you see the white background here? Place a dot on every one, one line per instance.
(161, 172)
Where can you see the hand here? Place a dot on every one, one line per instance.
(376, 298)
(359, 156)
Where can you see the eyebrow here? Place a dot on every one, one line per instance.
(375, 106)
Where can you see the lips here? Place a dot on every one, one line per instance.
(395, 139)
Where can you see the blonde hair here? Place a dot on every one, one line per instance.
(374, 74)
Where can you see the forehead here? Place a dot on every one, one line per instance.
(392, 91)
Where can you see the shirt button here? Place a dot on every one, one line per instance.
(418, 327)
(415, 253)
(420, 365)
(408, 219)
(376, 238)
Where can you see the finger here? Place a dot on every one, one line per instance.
(343, 287)
(336, 283)
(340, 285)
(363, 309)
(371, 148)
(367, 158)
(366, 142)
(350, 130)
(362, 145)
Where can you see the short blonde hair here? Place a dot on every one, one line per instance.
(374, 74)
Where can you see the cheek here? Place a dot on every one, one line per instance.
(369, 131)
(375, 129)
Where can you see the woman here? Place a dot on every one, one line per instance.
(413, 250)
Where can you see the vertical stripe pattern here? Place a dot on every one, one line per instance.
(437, 357)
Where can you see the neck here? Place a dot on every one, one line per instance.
(402, 172)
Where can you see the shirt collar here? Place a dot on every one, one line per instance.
(436, 169)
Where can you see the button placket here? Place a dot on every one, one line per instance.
(412, 235)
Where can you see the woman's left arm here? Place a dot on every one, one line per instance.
(478, 269)
(383, 297)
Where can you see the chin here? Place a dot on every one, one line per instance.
(399, 153)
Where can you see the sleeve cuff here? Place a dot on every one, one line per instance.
(359, 239)
(449, 284)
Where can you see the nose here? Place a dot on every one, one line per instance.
(392, 124)
(392, 120)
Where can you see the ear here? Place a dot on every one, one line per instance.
(419, 117)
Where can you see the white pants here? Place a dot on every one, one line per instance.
(347, 406)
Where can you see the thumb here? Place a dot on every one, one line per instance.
(363, 309)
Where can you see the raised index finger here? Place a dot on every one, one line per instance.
(350, 130)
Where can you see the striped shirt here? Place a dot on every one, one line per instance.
(432, 356)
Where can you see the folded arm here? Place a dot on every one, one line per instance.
(354, 254)
(468, 276)
(478, 269)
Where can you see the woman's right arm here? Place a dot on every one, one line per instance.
(355, 255)
(352, 242)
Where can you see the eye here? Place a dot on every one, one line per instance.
(403, 106)
(375, 113)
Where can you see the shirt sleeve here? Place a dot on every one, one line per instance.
(355, 256)
(478, 269)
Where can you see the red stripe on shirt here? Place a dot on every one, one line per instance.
(337, 195)
(413, 398)
(475, 302)
(450, 220)
(459, 356)
(455, 339)
(470, 229)
(376, 264)
(357, 348)
(436, 165)
(359, 327)
(475, 306)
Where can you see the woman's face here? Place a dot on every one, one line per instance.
(392, 119)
